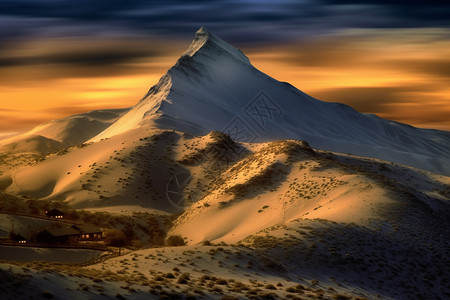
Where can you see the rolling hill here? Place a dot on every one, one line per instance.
(275, 194)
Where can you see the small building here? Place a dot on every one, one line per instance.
(18, 238)
(54, 214)
(70, 234)
(88, 232)
(21, 240)
(58, 235)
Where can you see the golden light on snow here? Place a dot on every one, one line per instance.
(402, 75)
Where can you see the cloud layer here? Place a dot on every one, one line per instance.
(250, 20)
(384, 57)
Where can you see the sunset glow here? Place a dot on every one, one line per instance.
(224, 149)
(397, 73)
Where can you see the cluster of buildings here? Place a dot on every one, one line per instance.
(64, 233)
(69, 234)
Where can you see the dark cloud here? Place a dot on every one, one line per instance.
(41, 60)
(343, 52)
(431, 116)
(412, 12)
(330, 52)
(93, 59)
(248, 23)
(369, 99)
(431, 67)
(87, 57)
(400, 103)
(237, 21)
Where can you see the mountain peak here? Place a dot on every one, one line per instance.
(202, 30)
(207, 43)
(213, 86)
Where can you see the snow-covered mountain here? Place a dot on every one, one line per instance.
(288, 214)
(62, 133)
(273, 219)
(213, 86)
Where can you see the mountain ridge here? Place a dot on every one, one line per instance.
(204, 39)
(275, 219)
(214, 87)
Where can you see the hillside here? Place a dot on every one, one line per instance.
(213, 86)
(305, 221)
(61, 133)
(224, 181)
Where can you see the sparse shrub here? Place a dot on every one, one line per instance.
(47, 295)
(270, 287)
(221, 281)
(138, 244)
(169, 275)
(268, 296)
(115, 238)
(184, 278)
(294, 290)
(216, 289)
(253, 292)
(175, 240)
(341, 297)
(314, 282)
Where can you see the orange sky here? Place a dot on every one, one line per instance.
(402, 75)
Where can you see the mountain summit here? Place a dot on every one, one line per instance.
(206, 42)
(213, 86)
(314, 223)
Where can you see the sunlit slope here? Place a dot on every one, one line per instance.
(213, 86)
(61, 133)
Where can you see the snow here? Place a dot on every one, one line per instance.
(213, 86)
(24, 226)
(304, 192)
(359, 236)
(30, 254)
(62, 133)
(276, 211)
(205, 41)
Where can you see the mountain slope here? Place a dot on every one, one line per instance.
(62, 133)
(213, 86)
(288, 212)
(300, 222)
(285, 181)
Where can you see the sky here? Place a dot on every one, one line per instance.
(63, 57)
